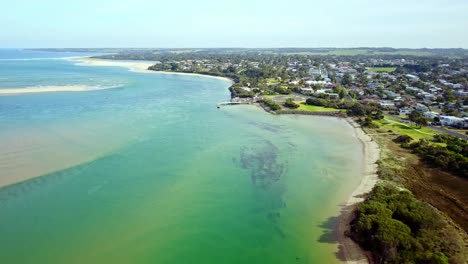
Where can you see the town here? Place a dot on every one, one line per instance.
(435, 86)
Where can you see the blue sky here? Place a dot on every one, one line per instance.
(240, 23)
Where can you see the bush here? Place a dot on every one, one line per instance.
(271, 104)
(451, 158)
(290, 103)
(403, 139)
(367, 122)
(317, 102)
(397, 228)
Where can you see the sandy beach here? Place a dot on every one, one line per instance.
(349, 251)
(136, 66)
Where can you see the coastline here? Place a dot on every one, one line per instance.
(137, 66)
(349, 251)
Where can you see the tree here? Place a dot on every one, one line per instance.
(448, 95)
(414, 115)
(418, 118)
(341, 93)
(422, 121)
(174, 66)
(290, 103)
(397, 228)
(346, 80)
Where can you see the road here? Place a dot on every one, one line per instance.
(448, 132)
(439, 129)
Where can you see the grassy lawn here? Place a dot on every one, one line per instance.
(272, 81)
(313, 108)
(413, 131)
(382, 69)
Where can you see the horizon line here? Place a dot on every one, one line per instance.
(285, 47)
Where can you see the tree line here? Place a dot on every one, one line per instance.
(397, 228)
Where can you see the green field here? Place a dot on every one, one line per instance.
(355, 52)
(398, 127)
(313, 108)
(382, 69)
(273, 81)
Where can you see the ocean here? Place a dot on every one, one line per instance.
(143, 168)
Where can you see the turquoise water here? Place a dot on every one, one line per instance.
(153, 172)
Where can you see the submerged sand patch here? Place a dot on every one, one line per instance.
(53, 88)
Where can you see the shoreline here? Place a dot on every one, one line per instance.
(137, 66)
(349, 251)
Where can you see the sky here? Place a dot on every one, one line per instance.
(239, 23)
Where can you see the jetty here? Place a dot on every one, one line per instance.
(237, 101)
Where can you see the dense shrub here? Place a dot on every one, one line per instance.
(282, 90)
(451, 158)
(290, 103)
(454, 144)
(397, 228)
(271, 104)
(237, 91)
(403, 139)
(367, 122)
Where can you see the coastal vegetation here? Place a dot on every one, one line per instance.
(289, 103)
(452, 156)
(397, 228)
(353, 108)
(436, 189)
(271, 104)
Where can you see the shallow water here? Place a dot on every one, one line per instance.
(152, 172)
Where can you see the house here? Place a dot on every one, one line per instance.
(453, 121)
(322, 91)
(322, 83)
(390, 94)
(374, 85)
(405, 111)
(460, 93)
(421, 108)
(430, 115)
(307, 90)
(412, 77)
(387, 105)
